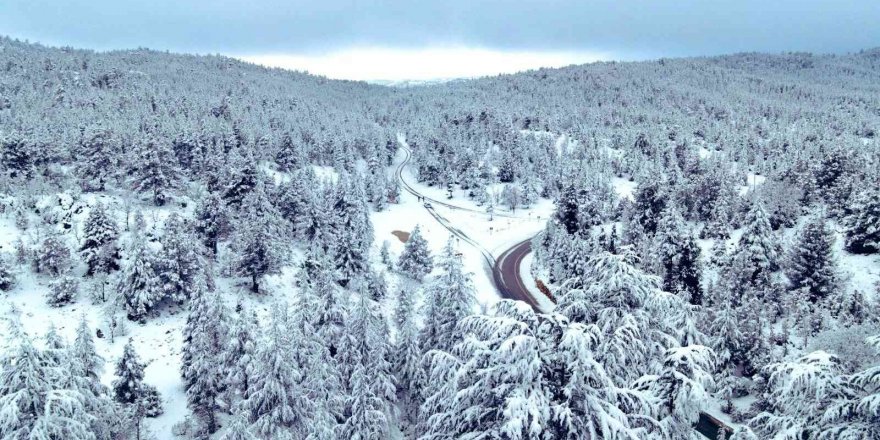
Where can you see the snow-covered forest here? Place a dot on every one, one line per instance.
(196, 247)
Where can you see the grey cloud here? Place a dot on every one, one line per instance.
(632, 28)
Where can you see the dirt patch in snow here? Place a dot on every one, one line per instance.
(403, 236)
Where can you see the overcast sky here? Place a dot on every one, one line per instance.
(415, 39)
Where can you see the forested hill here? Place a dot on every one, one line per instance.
(702, 234)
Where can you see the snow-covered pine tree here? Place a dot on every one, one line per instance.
(681, 388)
(99, 249)
(321, 383)
(678, 255)
(353, 230)
(237, 355)
(259, 251)
(277, 404)
(814, 381)
(811, 265)
(449, 297)
(756, 256)
(96, 163)
(406, 354)
(862, 226)
(156, 171)
(210, 220)
(365, 373)
(204, 341)
(53, 256)
(238, 429)
(415, 260)
(62, 291)
(290, 155)
(178, 261)
(139, 285)
(8, 280)
(128, 385)
(34, 400)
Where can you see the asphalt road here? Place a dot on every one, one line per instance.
(506, 276)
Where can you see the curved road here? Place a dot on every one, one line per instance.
(507, 279)
(505, 270)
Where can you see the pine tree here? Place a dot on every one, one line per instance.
(353, 231)
(156, 171)
(204, 342)
(238, 355)
(366, 373)
(862, 226)
(277, 404)
(811, 266)
(86, 360)
(179, 266)
(290, 155)
(128, 386)
(679, 257)
(450, 297)
(407, 353)
(34, 399)
(757, 254)
(415, 260)
(8, 280)
(62, 291)
(53, 257)
(139, 285)
(96, 165)
(238, 429)
(16, 156)
(255, 240)
(210, 221)
(681, 387)
(99, 249)
(568, 209)
(650, 201)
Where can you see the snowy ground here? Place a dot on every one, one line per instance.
(496, 235)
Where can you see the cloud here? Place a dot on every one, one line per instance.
(629, 28)
(376, 63)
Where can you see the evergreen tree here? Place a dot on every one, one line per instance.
(238, 429)
(179, 266)
(35, 401)
(277, 404)
(62, 291)
(353, 231)
(811, 266)
(679, 256)
(450, 297)
(128, 386)
(255, 240)
(205, 340)
(53, 257)
(139, 285)
(99, 249)
(756, 256)
(210, 221)
(415, 260)
(16, 156)
(156, 171)
(407, 353)
(650, 201)
(862, 226)
(238, 355)
(96, 165)
(366, 374)
(8, 280)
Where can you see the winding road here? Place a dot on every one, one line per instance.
(505, 269)
(506, 276)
